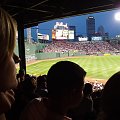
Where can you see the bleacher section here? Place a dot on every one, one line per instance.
(60, 48)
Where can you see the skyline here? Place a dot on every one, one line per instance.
(106, 19)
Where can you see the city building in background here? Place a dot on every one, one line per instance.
(72, 33)
(101, 33)
(29, 38)
(34, 32)
(90, 26)
(107, 36)
(118, 37)
(101, 30)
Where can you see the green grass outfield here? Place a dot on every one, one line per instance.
(97, 67)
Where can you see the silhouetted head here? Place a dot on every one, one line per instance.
(29, 84)
(41, 82)
(87, 89)
(111, 97)
(66, 79)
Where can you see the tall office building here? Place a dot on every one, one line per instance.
(29, 35)
(101, 30)
(34, 33)
(90, 26)
(72, 33)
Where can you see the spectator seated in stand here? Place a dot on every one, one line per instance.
(65, 81)
(41, 89)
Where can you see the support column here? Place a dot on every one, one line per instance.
(21, 46)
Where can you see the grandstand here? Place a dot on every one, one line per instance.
(81, 48)
(62, 48)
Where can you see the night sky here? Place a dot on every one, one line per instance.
(106, 19)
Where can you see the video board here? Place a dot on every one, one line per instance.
(61, 32)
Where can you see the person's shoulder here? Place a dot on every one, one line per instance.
(36, 103)
(34, 110)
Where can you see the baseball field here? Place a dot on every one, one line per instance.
(98, 68)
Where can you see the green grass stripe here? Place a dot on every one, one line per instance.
(97, 67)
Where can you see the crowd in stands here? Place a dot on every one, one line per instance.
(96, 85)
(31, 87)
(86, 47)
(115, 44)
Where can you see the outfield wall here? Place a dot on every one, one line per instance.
(41, 56)
(30, 50)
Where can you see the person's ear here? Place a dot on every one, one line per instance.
(16, 58)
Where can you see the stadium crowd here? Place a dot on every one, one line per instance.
(86, 47)
(31, 87)
(62, 94)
